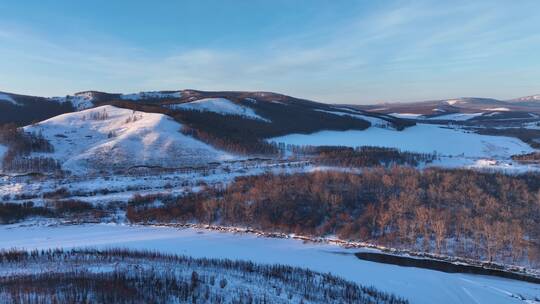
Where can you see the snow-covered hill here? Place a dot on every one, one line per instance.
(218, 105)
(108, 137)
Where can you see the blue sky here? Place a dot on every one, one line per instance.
(330, 51)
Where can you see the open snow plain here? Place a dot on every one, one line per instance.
(417, 285)
(422, 138)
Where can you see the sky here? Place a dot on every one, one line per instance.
(329, 51)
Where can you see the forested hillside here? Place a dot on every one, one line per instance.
(489, 216)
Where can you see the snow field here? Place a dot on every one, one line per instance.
(422, 138)
(218, 105)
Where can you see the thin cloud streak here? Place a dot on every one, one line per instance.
(363, 60)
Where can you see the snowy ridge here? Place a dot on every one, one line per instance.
(454, 101)
(528, 98)
(107, 137)
(375, 122)
(80, 101)
(151, 95)
(7, 98)
(407, 115)
(219, 105)
(85, 100)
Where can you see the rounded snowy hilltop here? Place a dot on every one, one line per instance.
(108, 137)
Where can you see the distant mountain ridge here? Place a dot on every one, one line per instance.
(468, 105)
(24, 109)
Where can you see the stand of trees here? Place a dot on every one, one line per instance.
(83, 276)
(457, 212)
(527, 158)
(20, 144)
(71, 209)
(360, 156)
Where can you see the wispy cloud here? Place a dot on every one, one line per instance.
(400, 51)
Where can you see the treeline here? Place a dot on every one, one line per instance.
(533, 157)
(529, 136)
(31, 164)
(31, 109)
(73, 210)
(151, 277)
(456, 212)
(360, 156)
(20, 144)
(233, 143)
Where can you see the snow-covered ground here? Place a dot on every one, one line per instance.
(422, 138)
(453, 116)
(156, 275)
(108, 137)
(417, 285)
(406, 115)
(218, 105)
(500, 109)
(120, 188)
(528, 98)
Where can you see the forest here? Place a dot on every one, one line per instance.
(358, 157)
(123, 276)
(73, 210)
(527, 158)
(20, 144)
(489, 216)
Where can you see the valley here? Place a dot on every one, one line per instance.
(271, 179)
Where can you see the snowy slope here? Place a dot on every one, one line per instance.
(407, 115)
(420, 138)
(7, 98)
(107, 137)
(375, 122)
(416, 284)
(80, 101)
(218, 105)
